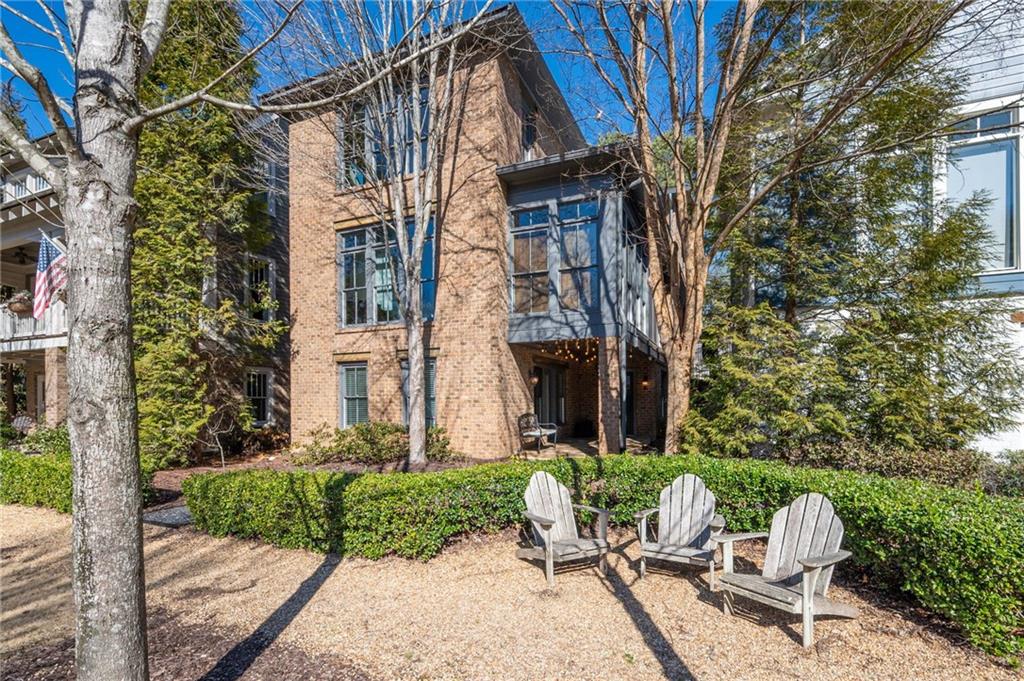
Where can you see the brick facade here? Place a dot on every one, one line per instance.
(482, 381)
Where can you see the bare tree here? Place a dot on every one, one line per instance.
(394, 142)
(685, 103)
(109, 51)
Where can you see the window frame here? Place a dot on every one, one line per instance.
(373, 243)
(266, 315)
(575, 224)
(343, 396)
(429, 389)
(1013, 134)
(530, 231)
(268, 373)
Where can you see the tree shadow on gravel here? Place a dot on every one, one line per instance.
(672, 665)
(237, 660)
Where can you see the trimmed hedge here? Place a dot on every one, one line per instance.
(959, 553)
(45, 480)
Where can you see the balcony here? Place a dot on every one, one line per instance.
(20, 332)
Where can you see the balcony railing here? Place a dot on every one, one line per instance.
(25, 332)
(638, 300)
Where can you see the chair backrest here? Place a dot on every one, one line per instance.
(528, 423)
(23, 423)
(685, 511)
(807, 528)
(549, 498)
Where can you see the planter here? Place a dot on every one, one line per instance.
(19, 307)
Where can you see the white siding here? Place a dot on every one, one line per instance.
(993, 57)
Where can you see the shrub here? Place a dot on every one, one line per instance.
(957, 467)
(48, 441)
(1005, 475)
(374, 442)
(45, 479)
(959, 553)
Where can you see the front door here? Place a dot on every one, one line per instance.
(549, 394)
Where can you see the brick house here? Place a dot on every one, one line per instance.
(535, 282)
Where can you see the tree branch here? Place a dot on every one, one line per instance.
(37, 81)
(152, 34)
(36, 160)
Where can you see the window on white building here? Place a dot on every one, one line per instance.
(983, 158)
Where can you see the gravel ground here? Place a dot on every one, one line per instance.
(231, 609)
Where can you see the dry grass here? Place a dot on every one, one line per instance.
(475, 612)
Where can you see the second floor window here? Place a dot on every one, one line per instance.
(578, 251)
(982, 158)
(367, 265)
(259, 289)
(530, 279)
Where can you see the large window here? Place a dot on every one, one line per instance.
(259, 290)
(366, 287)
(565, 249)
(353, 388)
(258, 394)
(530, 280)
(429, 393)
(372, 144)
(982, 159)
(578, 251)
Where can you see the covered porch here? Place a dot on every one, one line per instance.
(601, 395)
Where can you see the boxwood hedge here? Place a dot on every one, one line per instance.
(959, 553)
(45, 479)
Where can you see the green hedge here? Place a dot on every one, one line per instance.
(959, 553)
(45, 479)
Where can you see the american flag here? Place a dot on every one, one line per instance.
(50, 276)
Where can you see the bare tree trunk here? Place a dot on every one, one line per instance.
(99, 212)
(416, 388)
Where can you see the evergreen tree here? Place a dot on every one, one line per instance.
(197, 219)
(841, 308)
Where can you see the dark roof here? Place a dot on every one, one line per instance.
(607, 158)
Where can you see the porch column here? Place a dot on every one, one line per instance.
(56, 396)
(609, 396)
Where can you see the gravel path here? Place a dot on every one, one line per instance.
(231, 609)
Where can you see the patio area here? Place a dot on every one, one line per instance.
(233, 609)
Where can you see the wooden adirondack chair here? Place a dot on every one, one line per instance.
(549, 509)
(803, 549)
(687, 524)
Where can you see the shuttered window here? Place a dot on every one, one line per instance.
(355, 404)
(429, 395)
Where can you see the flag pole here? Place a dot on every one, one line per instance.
(53, 240)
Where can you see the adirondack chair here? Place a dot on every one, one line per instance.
(803, 549)
(530, 428)
(549, 509)
(687, 524)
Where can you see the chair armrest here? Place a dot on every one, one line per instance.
(548, 425)
(739, 536)
(718, 523)
(602, 519)
(545, 523)
(825, 561)
(640, 515)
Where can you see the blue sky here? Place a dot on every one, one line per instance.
(577, 82)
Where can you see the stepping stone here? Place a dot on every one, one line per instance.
(175, 516)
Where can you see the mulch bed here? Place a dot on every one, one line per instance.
(179, 651)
